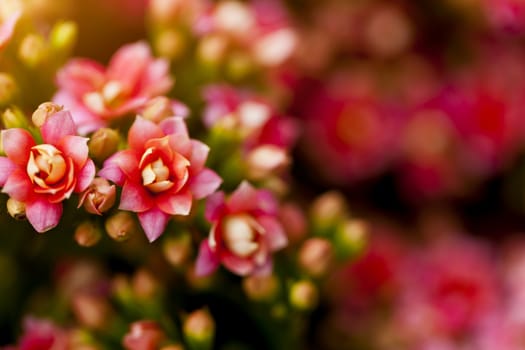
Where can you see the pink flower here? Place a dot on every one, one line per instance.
(43, 175)
(97, 95)
(42, 335)
(245, 232)
(161, 172)
(143, 335)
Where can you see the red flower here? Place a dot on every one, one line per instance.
(161, 172)
(245, 232)
(43, 175)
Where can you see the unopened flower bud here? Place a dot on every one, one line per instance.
(293, 220)
(144, 284)
(212, 49)
(170, 44)
(63, 36)
(266, 160)
(260, 288)
(143, 335)
(14, 118)
(304, 295)
(350, 238)
(103, 143)
(87, 234)
(99, 197)
(157, 109)
(165, 11)
(328, 209)
(239, 65)
(172, 347)
(16, 209)
(90, 310)
(120, 226)
(316, 256)
(8, 88)
(32, 51)
(177, 250)
(44, 111)
(199, 329)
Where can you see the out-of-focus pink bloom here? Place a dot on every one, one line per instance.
(447, 289)
(261, 29)
(507, 15)
(42, 335)
(245, 232)
(43, 175)
(7, 27)
(143, 335)
(161, 172)
(97, 95)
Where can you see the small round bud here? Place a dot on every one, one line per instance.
(44, 111)
(199, 329)
(172, 347)
(8, 88)
(170, 44)
(144, 284)
(63, 36)
(212, 49)
(260, 288)
(16, 209)
(177, 250)
(14, 118)
(120, 226)
(87, 234)
(328, 209)
(266, 160)
(316, 256)
(351, 237)
(103, 143)
(33, 50)
(144, 335)
(304, 295)
(99, 197)
(90, 310)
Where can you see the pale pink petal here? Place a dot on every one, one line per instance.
(153, 222)
(265, 269)
(80, 76)
(76, 148)
(7, 28)
(6, 168)
(124, 160)
(57, 126)
(207, 260)
(274, 233)
(175, 204)
(18, 185)
(141, 131)
(181, 143)
(156, 79)
(174, 125)
(17, 144)
(129, 105)
(129, 63)
(199, 154)
(237, 265)
(135, 198)
(204, 183)
(244, 198)
(83, 118)
(214, 206)
(266, 202)
(43, 215)
(113, 173)
(85, 176)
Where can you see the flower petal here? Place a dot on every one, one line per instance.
(153, 222)
(6, 168)
(175, 204)
(126, 161)
(156, 79)
(76, 148)
(129, 63)
(80, 76)
(7, 28)
(43, 215)
(83, 118)
(57, 126)
(207, 260)
(214, 206)
(135, 198)
(237, 265)
(141, 131)
(205, 183)
(274, 233)
(18, 185)
(199, 154)
(174, 125)
(244, 198)
(17, 144)
(85, 176)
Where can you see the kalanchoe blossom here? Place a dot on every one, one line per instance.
(44, 175)
(161, 172)
(43, 334)
(245, 232)
(97, 95)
